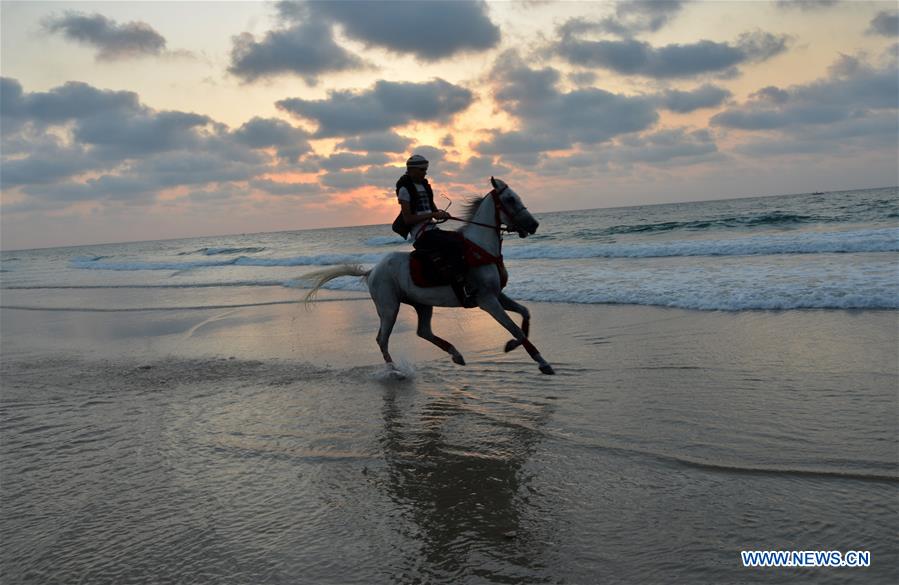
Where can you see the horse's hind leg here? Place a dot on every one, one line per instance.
(510, 305)
(424, 331)
(493, 306)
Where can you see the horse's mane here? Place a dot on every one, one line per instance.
(470, 207)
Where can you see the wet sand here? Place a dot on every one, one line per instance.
(265, 444)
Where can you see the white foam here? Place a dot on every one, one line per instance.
(724, 285)
(873, 240)
(385, 241)
(400, 370)
(319, 260)
(347, 283)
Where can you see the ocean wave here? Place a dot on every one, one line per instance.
(319, 260)
(343, 283)
(722, 286)
(775, 218)
(874, 240)
(86, 259)
(218, 251)
(170, 308)
(713, 298)
(726, 285)
(384, 241)
(757, 301)
(226, 284)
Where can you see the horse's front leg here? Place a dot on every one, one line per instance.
(424, 331)
(510, 305)
(493, 306)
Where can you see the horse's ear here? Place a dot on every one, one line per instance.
(493, 182)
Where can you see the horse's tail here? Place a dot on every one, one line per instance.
(321, 277)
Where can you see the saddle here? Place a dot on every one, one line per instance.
(430, 268)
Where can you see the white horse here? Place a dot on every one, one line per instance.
(390, 283)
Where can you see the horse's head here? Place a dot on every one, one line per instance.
(512, 211)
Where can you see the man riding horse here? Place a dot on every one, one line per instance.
(392, 281)
(416, 222)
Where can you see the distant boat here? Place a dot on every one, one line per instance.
(818, 193)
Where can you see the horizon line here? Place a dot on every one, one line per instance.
(4, 250)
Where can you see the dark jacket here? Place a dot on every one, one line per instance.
(399, 226)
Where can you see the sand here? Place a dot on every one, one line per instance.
(265, 444)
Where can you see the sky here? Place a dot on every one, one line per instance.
(128, 121)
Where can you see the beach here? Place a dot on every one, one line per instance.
(269, 444)
(682, 217)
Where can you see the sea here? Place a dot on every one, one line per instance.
(836, 250)
(726, 382)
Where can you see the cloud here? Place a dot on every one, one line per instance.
(105, 129)
(386, 105)
(140, 133)
(78, 143)
(103, 188)
(551, 119)
(291, 142)
(852, 90)
(380, 177)
(704, 96)
(667, 148)
(350, 160)
(282, 188)
(806, 5)
(430, 31)
(178, 168)
(68, 102)
(307, 50)
(378, 142)
(477, 170)
(678, 144)
(582, 78)
(113, 41)
(853, 108)
(873, 135)
(46, 163)
(633, 57)
(631, 17)
(771, 94)
(885, 24)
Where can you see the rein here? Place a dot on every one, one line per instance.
(498, 227)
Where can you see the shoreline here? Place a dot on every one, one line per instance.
(320, 298)
(338, 327)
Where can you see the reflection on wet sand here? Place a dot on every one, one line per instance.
(455, 469)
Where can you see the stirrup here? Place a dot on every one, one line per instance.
(463, 295)
(469, 295)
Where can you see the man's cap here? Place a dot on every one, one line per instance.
(416, 161)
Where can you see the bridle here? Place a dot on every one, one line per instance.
(498, 207)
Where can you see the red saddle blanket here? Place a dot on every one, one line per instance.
(423, 274)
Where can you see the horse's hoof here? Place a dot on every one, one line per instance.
(459, 360)
(511, 344)
(547, 369)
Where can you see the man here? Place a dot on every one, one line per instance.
(416, 223)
